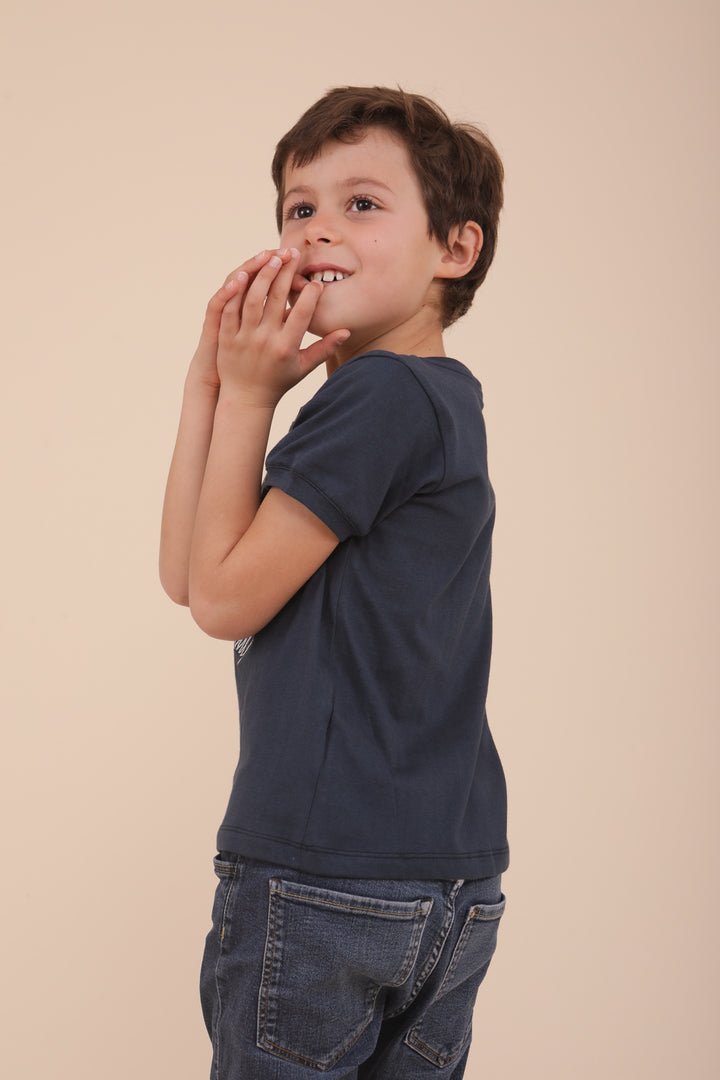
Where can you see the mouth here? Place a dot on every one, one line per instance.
(325, 274)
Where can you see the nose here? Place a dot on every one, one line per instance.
(320, 229)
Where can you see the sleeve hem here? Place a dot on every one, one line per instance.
(314, 498)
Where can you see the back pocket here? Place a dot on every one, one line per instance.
(444, 1032)
(327, 957)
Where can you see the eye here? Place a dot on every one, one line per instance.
(299, 211)
(362, 203)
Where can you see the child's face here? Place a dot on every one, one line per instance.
(357, 209)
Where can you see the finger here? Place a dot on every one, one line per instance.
(303, 309)
(321, 351)
(254, 265)
(230, 315)
(297, 285)
(214, 310)
(250, 266)
(220, 298)
(258, 292)
(279, 292)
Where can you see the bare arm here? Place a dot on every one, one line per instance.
(247, 560)
(183, 487)
(202, 386)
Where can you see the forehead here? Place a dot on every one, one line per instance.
(378, 155)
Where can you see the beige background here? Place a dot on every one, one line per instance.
(136, 142)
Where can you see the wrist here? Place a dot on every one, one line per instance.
(200, 384)
(238, 396)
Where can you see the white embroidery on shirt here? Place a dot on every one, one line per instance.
(241, 648)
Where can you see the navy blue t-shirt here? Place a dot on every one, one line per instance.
(365, 749)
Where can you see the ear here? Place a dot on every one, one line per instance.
(461, 251)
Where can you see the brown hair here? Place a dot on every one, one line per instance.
(459, 170)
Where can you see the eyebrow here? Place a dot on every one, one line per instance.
(350, 182)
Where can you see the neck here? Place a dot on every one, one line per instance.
(420, 335)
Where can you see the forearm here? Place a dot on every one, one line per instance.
(184, 485)
(193, 441)
(228, 502)
(245, 561)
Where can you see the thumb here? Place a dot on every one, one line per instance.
(321, 351)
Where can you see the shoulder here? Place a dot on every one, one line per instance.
(374, 387)
(376, 369)
(431, 373)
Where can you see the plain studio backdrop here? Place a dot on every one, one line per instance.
(136, 140)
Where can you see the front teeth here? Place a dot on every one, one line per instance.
(328, 275)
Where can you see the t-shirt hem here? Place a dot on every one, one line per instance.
(365, 864)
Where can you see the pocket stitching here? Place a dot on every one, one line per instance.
(478, 913)
(417, 913)
(420, 907)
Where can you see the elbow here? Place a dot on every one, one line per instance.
(175, 587)
(179, 597)
(220, 621)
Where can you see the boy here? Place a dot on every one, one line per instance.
(361, 852)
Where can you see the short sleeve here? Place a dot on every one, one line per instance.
(367, 442)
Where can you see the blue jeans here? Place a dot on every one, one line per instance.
(351, 978)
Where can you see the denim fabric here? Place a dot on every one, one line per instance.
(349, 978)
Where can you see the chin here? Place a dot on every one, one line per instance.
(320, 326)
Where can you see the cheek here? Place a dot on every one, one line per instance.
(287, 229)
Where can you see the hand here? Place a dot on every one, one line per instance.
(259, 354)
(203, 366)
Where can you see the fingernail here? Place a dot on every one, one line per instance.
(242, 276)
(294, 252)
(260, 254)
(282, 252)
(274, 261)
(343, 337)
